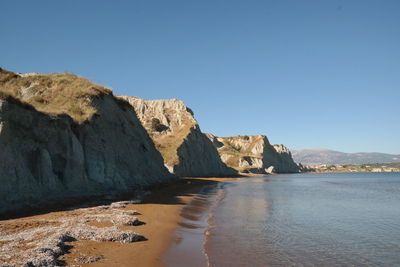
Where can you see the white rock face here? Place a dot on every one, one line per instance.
(172, 113)
(186, 150)
(46, 157)
(250, 162)
(270, 169)
(254, 154)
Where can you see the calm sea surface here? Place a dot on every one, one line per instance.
(306, 220)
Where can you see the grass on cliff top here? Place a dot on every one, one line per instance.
(54, 93)
(169, 144)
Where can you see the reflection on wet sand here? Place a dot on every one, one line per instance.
(188, 247)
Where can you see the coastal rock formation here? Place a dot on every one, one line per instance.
(63, 136)
(38, 241)
(177, 135)
(254, 154)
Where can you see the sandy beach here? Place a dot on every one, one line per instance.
(158, 216)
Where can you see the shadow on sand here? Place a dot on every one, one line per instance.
(166, 193)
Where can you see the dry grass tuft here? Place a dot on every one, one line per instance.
(169, 144)
(53, 93)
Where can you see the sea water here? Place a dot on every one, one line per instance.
(341, 219)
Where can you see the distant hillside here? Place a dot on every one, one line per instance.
(325, 156)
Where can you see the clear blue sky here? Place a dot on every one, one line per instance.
(308, 74)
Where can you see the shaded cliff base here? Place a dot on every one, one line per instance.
(102, 234)
(71, 203)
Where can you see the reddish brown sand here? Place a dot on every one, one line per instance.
(159, 212)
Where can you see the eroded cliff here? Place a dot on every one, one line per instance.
(254, 154)
(61, 136)
(177, 135)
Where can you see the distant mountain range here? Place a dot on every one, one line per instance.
(325, 156)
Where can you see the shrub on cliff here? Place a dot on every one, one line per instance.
(157, 126)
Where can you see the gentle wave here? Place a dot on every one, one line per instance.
(307, 220)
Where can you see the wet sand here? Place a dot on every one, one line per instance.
(159, 212)
(188, 249)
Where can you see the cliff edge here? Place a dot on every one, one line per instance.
(254, 154)
(177, 135)
(64, 136)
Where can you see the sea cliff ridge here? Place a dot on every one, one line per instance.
(64, 136)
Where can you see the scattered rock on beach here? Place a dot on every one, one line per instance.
(46, 241)
(89, 259)
(123, 204)
(123, 219)
(103, 207)
(131, 212)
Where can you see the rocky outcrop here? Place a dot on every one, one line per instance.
(177, 135)
(42, 240)
(285, 162)
(254, 154)
(45, 155)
